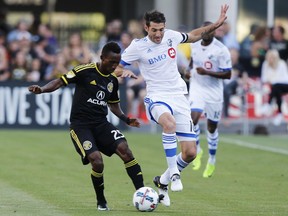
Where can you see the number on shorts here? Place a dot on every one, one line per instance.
(117, 134)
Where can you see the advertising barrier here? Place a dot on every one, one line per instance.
(21, 109)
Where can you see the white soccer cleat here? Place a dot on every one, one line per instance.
(163, 191)
(176, 184)
(278, 119)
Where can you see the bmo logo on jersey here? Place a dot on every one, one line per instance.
(157, 59)
(172, 52)
(208, 65)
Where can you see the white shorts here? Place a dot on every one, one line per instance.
(178, 106)
(212, 111)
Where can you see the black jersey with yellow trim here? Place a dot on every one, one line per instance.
(93, 90)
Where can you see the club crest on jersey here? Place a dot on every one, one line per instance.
(208, 65)
(87, 145)
(110, 87)
(169, 42)
(172, 52)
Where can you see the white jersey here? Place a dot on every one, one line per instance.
(214, 57)
(158, 63)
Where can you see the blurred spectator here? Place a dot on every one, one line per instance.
(4, 61)
(76, 52)
(246, 43)
(237, 84)
(43, 52)
(57, 69)
(275, 75)
(259, 47)
(19, 67)
(46, 31)
(278, 42)
(112, 33)
(229, 39)
(135, 28)
(34, 74)
(21, 31)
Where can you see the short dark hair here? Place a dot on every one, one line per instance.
(111, 47)
(154, 16)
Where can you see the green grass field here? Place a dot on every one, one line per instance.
(41, 174)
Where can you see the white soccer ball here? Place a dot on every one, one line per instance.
(145, 199)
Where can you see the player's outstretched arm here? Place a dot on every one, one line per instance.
(49, 87)
(116, 109)
(196, 34)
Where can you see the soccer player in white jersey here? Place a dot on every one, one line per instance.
(165, 102)
(211, 64)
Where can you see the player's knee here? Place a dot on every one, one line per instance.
(96, 161)
(169, 125)
(189, 154)
(124, 152)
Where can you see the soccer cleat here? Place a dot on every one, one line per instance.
(102, 207)
(176, 184)
(163, 191)
(196, 163)
(208, 172)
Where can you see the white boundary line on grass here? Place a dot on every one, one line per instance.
(254, 146)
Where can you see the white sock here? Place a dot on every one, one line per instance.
(181, 163)
(170, 147)
(197, 133)
(212, 146)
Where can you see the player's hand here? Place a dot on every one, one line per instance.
(128, 73)
(223, 16)
(201, 71)
(187, 75)
(134, 122)
(35, 89)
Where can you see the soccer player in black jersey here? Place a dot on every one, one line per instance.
(96, 88)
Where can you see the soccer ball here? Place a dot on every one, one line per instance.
(145, 199)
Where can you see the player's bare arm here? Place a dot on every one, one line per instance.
(120, 71)
(218, 74)
(49, 87)
(197, 34)
(116, 109)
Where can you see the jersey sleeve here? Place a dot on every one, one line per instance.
(179, 36)
(130, 54)
(69, 77)
(114, 98)
(225, 60)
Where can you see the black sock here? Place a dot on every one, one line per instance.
(134, 171)
(98, 184)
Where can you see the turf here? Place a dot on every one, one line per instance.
(41, 174)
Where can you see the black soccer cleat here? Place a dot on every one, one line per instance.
(102, 207)
(157, 183)
(163, 191)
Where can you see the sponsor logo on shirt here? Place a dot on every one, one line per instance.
(157, 59)
(100, 95)
(208, 65)
(172, 52)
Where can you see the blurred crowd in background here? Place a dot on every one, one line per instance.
(37, 55)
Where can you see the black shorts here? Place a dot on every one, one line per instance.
(104, 137)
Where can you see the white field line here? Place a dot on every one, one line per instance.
(253, 145)
(14, 201)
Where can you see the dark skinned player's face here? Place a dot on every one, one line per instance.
(110, 62)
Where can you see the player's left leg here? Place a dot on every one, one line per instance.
(213, 112)
(132, 167)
